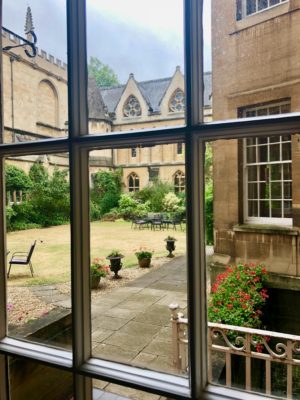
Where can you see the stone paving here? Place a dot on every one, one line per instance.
(132, 323)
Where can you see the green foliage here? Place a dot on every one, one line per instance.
(208, 162)
(103, 74)
(209, 213)
(238, 296)
(171, 202)
(16, 179)
(105, 193)
(154, 193)
(143, 252)
(130, 208)
(115, 253)
(38, 174)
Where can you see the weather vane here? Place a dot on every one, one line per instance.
(30, 40)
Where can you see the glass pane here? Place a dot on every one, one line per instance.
(251, 154)
(34, 381)
(286, 151)
(129, 87)
(38, 244)
(276, 192)
(276, 172)
(35, 80)
(138, 247)
(276, 209)
(252, 190)
(253, 208)
(287, 171)
(275, 152)
(231, 29)
(253, 248)
(252, 174)
(262, 153)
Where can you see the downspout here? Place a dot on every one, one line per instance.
(12, 59)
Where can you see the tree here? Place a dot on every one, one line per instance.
(16, 179)
(103, 74)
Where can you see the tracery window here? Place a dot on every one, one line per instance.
(179, 182)
(133, 182)
(132, 107)
(177, 101)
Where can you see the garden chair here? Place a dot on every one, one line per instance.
(140, 222)
(22, 258)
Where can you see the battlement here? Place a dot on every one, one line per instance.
(14, 39)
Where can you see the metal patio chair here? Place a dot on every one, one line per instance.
(22, 258)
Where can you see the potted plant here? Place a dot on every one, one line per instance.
(170, 246)
(98, 270)
(114, 258)
(144, 256)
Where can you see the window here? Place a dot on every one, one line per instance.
(133, 182)
(249, 7)
(268, 171)
(133, 152)
(177, 101)
(132, 107)
(179, 148)
(179, 182)
(77, 362)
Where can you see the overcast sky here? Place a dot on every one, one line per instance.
(137, 36)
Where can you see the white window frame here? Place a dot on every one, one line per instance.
(264, 220)
(79, 362)
(244, 8)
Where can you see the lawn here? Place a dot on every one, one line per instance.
(51, 259)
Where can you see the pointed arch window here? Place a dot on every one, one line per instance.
(176, 103)
(132, 107)
(179, 182)
(133, 182)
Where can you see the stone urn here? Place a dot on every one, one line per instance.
(144, 262)
(170, 246)
(95, 280)
(115, 265)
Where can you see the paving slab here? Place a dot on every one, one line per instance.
(138, 328)
(128, 342)
(114, 353)
(109, 323)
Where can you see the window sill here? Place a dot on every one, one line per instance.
(269, 229)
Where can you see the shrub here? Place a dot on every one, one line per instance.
(98, 267)
(171, 202)
(130, 208)
(143, 252)
(238, 296)
(16, 179)
(113, 215)
(154, 194)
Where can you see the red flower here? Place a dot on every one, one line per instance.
(230, 306)
(259, 348)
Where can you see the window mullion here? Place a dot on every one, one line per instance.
(79, 186)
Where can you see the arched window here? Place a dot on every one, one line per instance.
(179, 182)
(177, 101)
(133, 182)
(132, 107)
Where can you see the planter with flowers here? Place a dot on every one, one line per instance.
(115, 257)
(170, 246)
(98, 270)
(144, 257)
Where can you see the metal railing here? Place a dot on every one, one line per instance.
(251, 344)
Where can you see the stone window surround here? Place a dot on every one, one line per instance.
(133, 182)
(179, 181)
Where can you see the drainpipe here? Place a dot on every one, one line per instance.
(12, 59)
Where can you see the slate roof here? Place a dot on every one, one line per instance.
(153, 92)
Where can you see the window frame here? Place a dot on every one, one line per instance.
(135, 187)
(78, 144)
(242, 13)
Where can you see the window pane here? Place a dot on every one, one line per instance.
(34, 381)
(35, 81)
(129, 87)
(132, 246)
(252, 272)
(38, 244)
(244, 31)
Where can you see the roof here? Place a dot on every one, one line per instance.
(153, 92)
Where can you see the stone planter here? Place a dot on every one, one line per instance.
(170, 246)
(95, 280)
(115, 265)
(144, 262)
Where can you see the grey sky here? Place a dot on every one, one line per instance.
(137, 36)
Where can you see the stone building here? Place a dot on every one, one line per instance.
(256, 186)
(36, 106)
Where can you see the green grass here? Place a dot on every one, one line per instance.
(51, 259)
